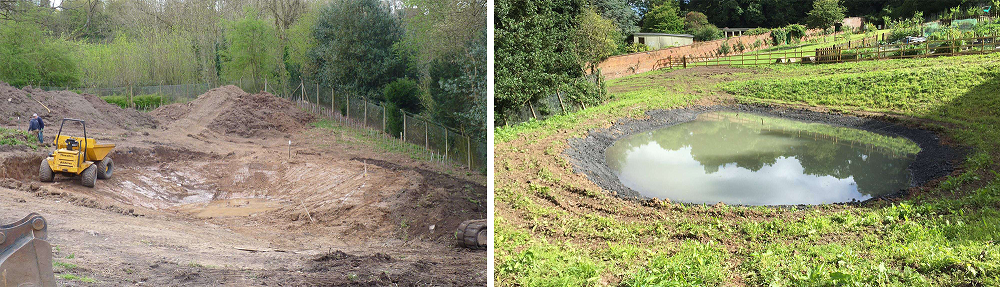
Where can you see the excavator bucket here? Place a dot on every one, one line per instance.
(25, 256)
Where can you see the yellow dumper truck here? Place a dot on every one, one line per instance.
(77, 156)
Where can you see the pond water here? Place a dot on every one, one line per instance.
(750, 159)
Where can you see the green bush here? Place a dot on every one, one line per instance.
(724, 49)
(405, 94)
(758, 31)
(140, 102)
(634, 48)
(16, 137)
(778, 37)
(707, 33)
(795, 31)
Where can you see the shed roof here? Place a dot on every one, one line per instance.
(664, 34)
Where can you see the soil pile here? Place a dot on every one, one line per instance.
(230, 110)
(17, 106)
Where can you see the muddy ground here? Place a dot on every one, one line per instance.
(198, 200)
(587, 154)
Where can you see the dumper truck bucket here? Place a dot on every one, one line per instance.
(25, 256)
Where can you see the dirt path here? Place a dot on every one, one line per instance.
(189, 205)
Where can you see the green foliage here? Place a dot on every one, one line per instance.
(460, 91)
(758, 31)
(619, 12)
(253, 53)
(16, 137)
(405, 94)
(695, 264)
(29, 56)
(694, 20)
(126, 61)
(634, 48)
(723, 49)
(533, 44)
(596, 38)
(778, 37)
(825, 13)
(356, 47)
(796, 31)
(140, 102)
(664, 18)
(905, 27)
(707, 33)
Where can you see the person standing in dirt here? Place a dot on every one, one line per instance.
(36, 124)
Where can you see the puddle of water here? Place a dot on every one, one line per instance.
(756, 160)
(229, 207)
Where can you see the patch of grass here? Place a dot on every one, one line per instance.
(64, 265)
(16, 137)
(73, 277)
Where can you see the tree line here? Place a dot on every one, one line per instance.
(423, 56)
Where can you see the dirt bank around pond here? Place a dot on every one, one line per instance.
(587, 155)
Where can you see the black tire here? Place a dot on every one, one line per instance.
(105, 168)
(45, 173)
(472, 234)
(89, 176)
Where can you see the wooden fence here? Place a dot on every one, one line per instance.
(937, 48)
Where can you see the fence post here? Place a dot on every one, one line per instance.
(404, 124)
(348, 107)
(333, 101)
(468, 151)
(560, 101)
(684, 60)
(366, 112)
(445, 143)
(426, 141)
(383, 119)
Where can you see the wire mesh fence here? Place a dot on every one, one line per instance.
(441, 143)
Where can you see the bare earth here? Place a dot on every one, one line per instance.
(199, 200)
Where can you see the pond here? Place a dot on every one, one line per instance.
(750, 159)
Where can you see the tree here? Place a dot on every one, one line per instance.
(459, 91)
(355, 40)
(29, 57)
(534, 50)
(621, 13)
(254, 52)
(825, 13)
(694, 20)
(596, 37)
(664, 18)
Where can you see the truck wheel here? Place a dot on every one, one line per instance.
(89, 176)
(45, 172)
(472, 234)
(105, 168)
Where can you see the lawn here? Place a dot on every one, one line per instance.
(556, 228)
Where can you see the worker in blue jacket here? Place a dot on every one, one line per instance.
(36, 124)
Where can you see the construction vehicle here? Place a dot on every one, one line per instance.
(25, 255)
(472, 234)
(77, 156)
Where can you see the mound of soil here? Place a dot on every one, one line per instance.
(259, 114)
(230, 110)
(17, 106)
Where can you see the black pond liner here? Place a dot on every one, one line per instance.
(587, 154)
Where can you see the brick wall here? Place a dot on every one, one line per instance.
(624, 65)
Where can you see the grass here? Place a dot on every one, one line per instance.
(72, 277)
(16, 137)
(373, 138)
(801, 49)
(556, 228)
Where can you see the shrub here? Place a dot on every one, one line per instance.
(796, 31)
(634, 48)
(724, 49)
(707, 33)
(758, 31)
(778, 37)
(140, 102)
(405, 94)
